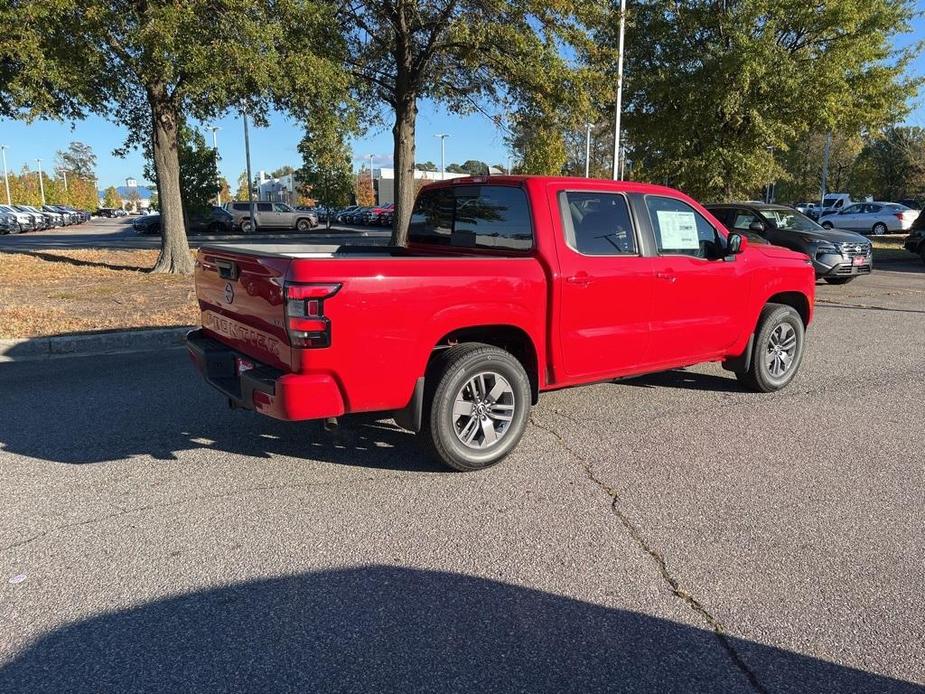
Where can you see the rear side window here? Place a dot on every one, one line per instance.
(681, 230)
(597, 223)
(241, 206)
(494, 217)
(264, 207)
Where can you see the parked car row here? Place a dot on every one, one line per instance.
(380, 215)
(111, 212)
(15, 219)
(215, 220)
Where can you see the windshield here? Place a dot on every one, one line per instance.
(786, 219)
(828, 202)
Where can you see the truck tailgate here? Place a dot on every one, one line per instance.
(241, 297)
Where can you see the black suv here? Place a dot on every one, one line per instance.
(838, 256)
(915, 241)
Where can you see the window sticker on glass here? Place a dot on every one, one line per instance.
(678, 229)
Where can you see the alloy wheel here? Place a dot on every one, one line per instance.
(483, 410)
(782, 345)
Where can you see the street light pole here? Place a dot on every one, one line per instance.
(6, 177)
(247, 154)
(619, 105)
(64, 173)
(442, 137)
(41, 182)
(218, 195)
(588, 151)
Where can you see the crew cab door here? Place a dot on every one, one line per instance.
(604, 287)
(266, 217)
(699, 296)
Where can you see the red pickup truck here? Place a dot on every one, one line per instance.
(509, 286)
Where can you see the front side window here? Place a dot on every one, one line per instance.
(279, 207)
(681, 230)
(853, 209)
(597, 223)
(479, 216)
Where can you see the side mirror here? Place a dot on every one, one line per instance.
(736, 243)
(757, 227)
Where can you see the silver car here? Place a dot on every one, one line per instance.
(875, 218)
(271, 215)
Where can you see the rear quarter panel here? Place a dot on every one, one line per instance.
(391, 312)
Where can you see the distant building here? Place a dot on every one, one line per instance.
(384, 182)
(282, 189)
(133, 197)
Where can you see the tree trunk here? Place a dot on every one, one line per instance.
(175, 257)
(403, 132)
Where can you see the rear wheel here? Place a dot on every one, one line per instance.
(879, 229)
(478, 408)
(838, 280)
(247, 226)
(778, 349)
(826, 225)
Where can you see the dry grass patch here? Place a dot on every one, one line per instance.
(64, 291)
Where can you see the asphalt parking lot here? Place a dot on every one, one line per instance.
(669, 533)
(102, 232)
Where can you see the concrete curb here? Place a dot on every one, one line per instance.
(141, 340)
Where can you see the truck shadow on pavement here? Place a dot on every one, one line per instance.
(108, 408)
(388, 629)
(686, 380)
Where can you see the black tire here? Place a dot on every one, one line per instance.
(879, 229)
(826, 225)
(246, 226)
(759, 376)
(216, 228)
(303, 226)
(838, 280)
(447, 380)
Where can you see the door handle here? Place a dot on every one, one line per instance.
(667, 276)
(582, 279)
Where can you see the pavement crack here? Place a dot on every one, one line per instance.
(636, 534)
(179, 502)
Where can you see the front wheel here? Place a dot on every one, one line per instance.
(778, 349)
(478, 408)
(879, 229)
(303, 225)
(838, 280)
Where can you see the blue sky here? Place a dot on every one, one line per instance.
(471, 137)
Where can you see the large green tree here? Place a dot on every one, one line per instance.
(150, 64)
(327, 169)
(77, 160)
(468, 54)
(891, 166)
(111, 198)
(716, 93)
(198, 170)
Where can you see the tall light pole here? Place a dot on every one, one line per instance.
(41, 182)
(247, 155)
(588, 151)
(6, 177)
(442, 137)
(372, 187)
(218, 195)
(619, 108)
(64, 173)
(826, 151)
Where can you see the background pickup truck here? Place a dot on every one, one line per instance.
(509, 286)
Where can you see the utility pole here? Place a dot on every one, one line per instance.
(64, 173)
(588, 151)
(218, 195)
(619, 105)
(250, 190)
(41, 182)
(442, 137)
(826, 150)
(6, 176)
(372, 187)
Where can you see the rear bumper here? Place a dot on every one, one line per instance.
(264, 389)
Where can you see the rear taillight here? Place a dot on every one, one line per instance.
(305, 320)
(899, 216)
